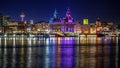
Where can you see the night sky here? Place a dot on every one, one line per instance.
(38, 10)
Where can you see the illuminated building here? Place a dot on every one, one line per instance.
(68, 22)
(42, 27)
(31, 22)
(77, 27)
(98, 22)
(99, 27)
(30, 26)
(22, 27)
(92, 29)
(4, 21)
(85, 27)
(12, 27)
(55, 23)
(85, 22)
(22, 15)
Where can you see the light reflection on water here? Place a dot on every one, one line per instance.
(59, 52)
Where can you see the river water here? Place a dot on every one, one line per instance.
(60, 52)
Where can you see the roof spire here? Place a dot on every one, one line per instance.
(55, 14)
(68, 13)
(55, 17)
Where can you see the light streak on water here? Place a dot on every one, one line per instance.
(29, 41)
(21, 57)
(5, 55)
(0, 42)
(0, 54)
(47, 60)
(29, 53)
(47, 41)
(117, 52)
(5, 42)
(14, 43)
(22, 41)
(14, 57)
(29, 59)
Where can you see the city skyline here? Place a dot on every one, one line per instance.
(43, 10)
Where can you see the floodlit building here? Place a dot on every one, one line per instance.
(78, 27)
(68, 22)
(98, 22)
(30, 26)
(4, 21)
(55, 23)
(85, 27)
(85, 22)
(12, 27)
(92, 29)
(42, 27)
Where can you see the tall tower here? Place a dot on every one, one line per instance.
(22, 15)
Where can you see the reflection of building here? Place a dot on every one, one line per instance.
(68, 22)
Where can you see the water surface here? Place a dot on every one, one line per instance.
(60, 52)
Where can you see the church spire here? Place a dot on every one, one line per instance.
(55, 17)
(55, 14)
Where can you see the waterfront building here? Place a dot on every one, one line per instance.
(99, 26)
(30, 26)
(85, 22)
(98, 22)
(77, 27)
(85, 27)
(92, 29)
(42, 27)
(22, 27)
(12, 27)
(55, 23)
(68, 22)
(4, 21)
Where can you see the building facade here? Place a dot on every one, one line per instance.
(55, 23)
(68, 22)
